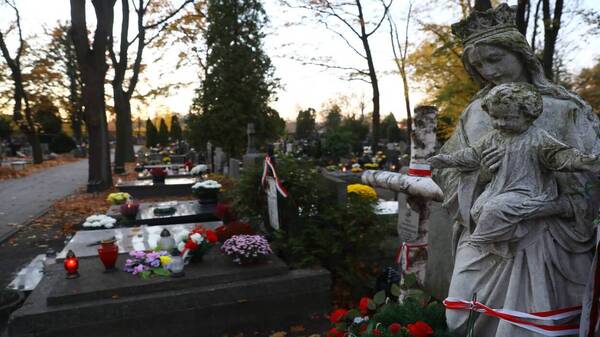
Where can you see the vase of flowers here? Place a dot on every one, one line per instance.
(247, 249)
(158, 175)
(194, 244)
(207, 191)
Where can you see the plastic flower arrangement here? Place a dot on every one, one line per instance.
(98, 221)
(246, 248)
(363, 191)
(158, 172)
(372, 166)
(198, 169)
(146, 264)
(381, 316)
(166, 160)
(356, 168)
(118, 198)
(206, 185)
(196, 243)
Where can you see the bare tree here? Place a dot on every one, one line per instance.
(352, 17)
(22, 114)
(551, 28)
(93, 67)
(122, 94)
(400, 51)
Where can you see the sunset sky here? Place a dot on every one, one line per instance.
(292, 33)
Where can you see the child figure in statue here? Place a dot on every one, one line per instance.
(525, 171)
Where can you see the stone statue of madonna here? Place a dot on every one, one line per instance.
(549, 267)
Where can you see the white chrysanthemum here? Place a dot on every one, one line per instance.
(99, 220)
(208, 184)
(197, 238)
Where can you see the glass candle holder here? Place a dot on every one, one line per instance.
(71, 265)
(166, 241)
(176, 266)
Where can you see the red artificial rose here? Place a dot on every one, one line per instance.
(419, 329)
(336, 315)
(191, 245)
(211, 236)
(394, 328)
(363, 305)
(376, 332)
(333, 332)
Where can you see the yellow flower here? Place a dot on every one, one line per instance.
(117, 198)
(356, 170)
(363, 191)
(165, 260)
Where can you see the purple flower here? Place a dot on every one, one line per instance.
(138, 269)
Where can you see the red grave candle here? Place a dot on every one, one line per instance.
(71, 265)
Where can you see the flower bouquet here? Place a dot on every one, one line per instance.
(158, 175)
(246, 249)
(99, 221)
(372, 166)
(363, 191)
(193, 245)
(384, 316)
(148, 264)
(356, 168)
(199, 169)
(206, 191)
(118, 198)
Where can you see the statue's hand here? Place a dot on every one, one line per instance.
(544, 208)
(588, 163)
(440, 161)
(492, 158)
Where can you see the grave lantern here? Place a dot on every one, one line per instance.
(176, 264)
(166, 241)
(71, 265)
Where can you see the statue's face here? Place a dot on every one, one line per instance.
(508, 119)
(497, 65)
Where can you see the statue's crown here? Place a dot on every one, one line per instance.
(482, 24)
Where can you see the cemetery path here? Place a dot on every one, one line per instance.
(23, 199)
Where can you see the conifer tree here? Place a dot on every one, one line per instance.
(163, 133)
(175, 129)
(239, 80)
(151, 134)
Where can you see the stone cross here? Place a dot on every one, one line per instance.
(250, 131)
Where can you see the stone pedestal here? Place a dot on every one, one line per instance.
(213, 298)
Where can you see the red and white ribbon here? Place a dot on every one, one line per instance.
(404, 250)
(269, 165)
(519, 318)
(419, 170)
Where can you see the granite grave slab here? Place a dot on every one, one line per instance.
(184, 212)
(147, 188)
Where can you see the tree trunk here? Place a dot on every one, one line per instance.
(551, 28)
(523, 16)
(99, 174)
(372, 77)
(124, 148)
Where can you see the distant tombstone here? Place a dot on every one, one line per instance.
(192, 156)
(209, 156)
(289, 148)
(45, 148)
(252, 157)
(219, 159)
(234, 168)
(177, 159)
(250, 132)
(271, 189)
